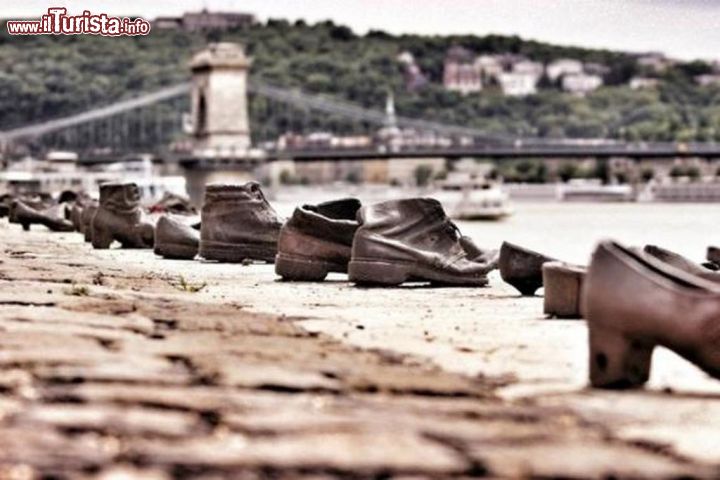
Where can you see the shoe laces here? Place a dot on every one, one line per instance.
(452, 228)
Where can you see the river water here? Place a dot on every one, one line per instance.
(569, 231)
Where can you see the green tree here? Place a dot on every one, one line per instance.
(423, 174)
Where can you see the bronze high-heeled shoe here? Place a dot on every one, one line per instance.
(682, 263)
(522, 268)
(633, 303)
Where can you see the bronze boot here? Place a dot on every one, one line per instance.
(51, 218)
(317, 240)
(119, 217)
(484, 255)
(522, 268)
(633, 302)
(177, 237)
(76, 216)
(563, 288)
(88, 212)
(238, 224)
(411, 240)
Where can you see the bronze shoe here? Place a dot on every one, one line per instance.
(632, 303)
(5, 200)
(411, 240)
(76, 216)
(563, 288)
(173, 203)
(477, 254)
(177, 237)
(35, 202)
(51, 218)
(119, 217)
(522, 268)
(86, 216)
(316, 240)
(713, 255)
(238, 224)
(680, 262)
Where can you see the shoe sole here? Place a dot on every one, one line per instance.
(176, 251)
(237, 252)
(379, 272)
(299, 268)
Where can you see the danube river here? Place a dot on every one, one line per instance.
(570, 230)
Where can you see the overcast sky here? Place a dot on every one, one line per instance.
(684, 29)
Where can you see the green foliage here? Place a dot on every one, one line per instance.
(44, 77)
(569, 170)
(647, 174)
(423, 174)
(182, 284)
(602, 170)
(522, 171)
(287, 178)
(77, 290)
(690, 171)
(353, 177)
(440, 175)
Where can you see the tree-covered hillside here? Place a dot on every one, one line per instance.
(50, 76)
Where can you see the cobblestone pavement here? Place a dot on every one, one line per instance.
(111, 368)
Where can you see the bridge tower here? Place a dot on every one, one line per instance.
(219, 100)
(220, 127)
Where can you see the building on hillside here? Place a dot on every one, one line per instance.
(460, 73)
(639, 83)
(654, 61)
(508, 60)
(596, 69)
(490, 66)
(205, 20)
(167, 23)
(581, 83)
(518, 84)
(529, 67)
(709, 79)
(414, 77)
(563, 66)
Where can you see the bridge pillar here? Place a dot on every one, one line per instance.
(219, 100)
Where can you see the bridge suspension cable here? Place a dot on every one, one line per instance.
(354, 112)
(49, 126)
(292, 97)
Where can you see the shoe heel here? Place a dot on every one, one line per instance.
(616, 361)
(293, 268)
(366, 272)
(25, 226)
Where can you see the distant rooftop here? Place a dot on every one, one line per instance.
(205, 20)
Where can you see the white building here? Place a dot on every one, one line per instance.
(529, 67)
(655, 61)
(581, 83)
(460, 73)
(563, 66)
(462, 77)
(518, 84)
(710, 79)
(490, 65)
(638, 83)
